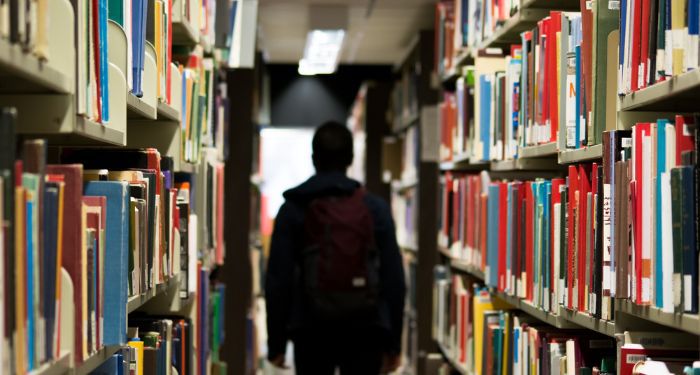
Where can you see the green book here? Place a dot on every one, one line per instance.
(606, 35)
(115, 11)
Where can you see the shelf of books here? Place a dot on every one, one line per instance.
(109, 252)
(407, 164)
(465, 28)
(584, 217)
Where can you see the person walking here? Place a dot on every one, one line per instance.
(335, 280)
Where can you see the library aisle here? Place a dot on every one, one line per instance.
(539, 159)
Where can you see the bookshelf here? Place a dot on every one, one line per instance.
(55, 120)
(413, 170)
(677, 93)
(580, 155)
(543, 150)
(20, 71)
(485, 228)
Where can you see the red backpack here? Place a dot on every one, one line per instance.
(340, 263)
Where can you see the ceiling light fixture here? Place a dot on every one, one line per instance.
(321, 52)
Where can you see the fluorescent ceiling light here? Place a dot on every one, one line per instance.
(321, 52)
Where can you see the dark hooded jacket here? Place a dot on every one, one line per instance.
(285, 317)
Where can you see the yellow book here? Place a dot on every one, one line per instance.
(41, 47)
(482, 303)
(20, 342)
(507, 332)
(679, 32)
(138, 347)
(59, 255)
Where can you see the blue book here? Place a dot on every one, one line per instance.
(464, 22)
(660, 168)
(108, 367)
(579, 98)
(493, 235)
(138, 22)
(50, 219)
(104, 62)
(116, 257)
(485, 116)
(29, 276)
(621, 46)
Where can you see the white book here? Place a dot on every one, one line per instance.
(647, 225)
(667, 249)
(607, 237)
(571, 357)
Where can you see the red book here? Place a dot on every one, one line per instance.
(73, 242)
(483, 228)
(571, 243)
(98, 222)
(529, 240)
(592, 233)
(520, 230)
(551, 64)
(446, 205)
(502, 224)
(456, 197)
(96, 56)
(685, 141)
(584, 187)
(461, 345)
(469, 213)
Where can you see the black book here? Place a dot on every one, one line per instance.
(8, 119)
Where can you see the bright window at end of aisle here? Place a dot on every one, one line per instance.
(286, 162)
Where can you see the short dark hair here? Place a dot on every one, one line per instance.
(332, 147)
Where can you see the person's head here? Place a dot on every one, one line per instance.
(332, 148)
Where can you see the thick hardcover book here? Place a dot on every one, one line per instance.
(117, 256)
(72, 242)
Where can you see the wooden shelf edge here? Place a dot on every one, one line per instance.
(685, 322)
